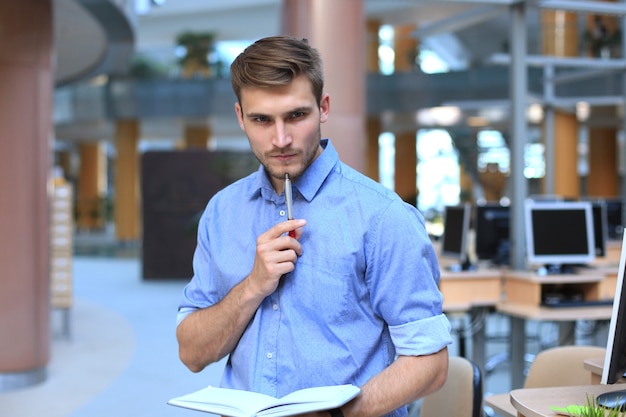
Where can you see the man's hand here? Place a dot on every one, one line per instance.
(276, 255)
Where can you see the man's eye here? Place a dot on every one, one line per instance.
(261, 119)
(297, 114)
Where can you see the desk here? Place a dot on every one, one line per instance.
(566, 317)
(523, 298)
(501, 403)
(536, 402)
(472, 292)
(595, 366)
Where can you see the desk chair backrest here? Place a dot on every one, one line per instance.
(562, 366)
(461, 394)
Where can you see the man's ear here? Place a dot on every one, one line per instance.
(324, 108)
(239, 112)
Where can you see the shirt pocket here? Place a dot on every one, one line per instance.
(324, 290)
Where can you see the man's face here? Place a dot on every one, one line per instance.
(283, 127)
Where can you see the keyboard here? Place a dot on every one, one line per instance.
(577, 303)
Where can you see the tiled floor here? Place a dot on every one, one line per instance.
(121, 358)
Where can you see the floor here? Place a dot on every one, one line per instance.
(120, 358)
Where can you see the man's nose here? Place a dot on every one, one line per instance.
(282, 137)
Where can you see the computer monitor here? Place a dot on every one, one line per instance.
(456, 223)
(615, 358)
(600, 227)
(559, 235)
(614, 217)
(491, 231)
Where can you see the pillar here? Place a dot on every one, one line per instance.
(92, 186)
(64, 162)
(373, 125)
(337, 30)
(127, 200)
(602, 180)
(374, 130)
(566, 179)
(197, 135)
(26, 80)
(560, 38)
(603, 177)
(405, 178)
(405, 48)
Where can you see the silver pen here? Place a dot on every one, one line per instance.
(289, 201)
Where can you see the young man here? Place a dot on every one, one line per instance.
(352, 298)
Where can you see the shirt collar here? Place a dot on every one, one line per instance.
(309, 183)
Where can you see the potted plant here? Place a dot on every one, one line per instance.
(197, 46)
(590, 409)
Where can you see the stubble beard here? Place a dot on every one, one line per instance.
(306, 158)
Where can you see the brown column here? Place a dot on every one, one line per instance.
(560, 38)
(559, 32)
(603, 170)
(566, 180)
(337, 30)
(374, 130)
(64, 161)
(26, 79)
(405, 178)
(197, 135)
(603, 178)
(127, 218)
(405, 48)
(373, 125)
(92, 182)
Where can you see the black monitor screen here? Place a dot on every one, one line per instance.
(614, 218)
(600, 227)
(491, 226)
(559, 233)
(455, 229)
(615, 359)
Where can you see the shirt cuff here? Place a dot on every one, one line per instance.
(421, 337)
(182, 313)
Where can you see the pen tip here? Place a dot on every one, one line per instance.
(286, 176)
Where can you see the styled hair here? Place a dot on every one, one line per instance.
(276, 61)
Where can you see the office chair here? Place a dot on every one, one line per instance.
(562, 366)
(559, 366)
(461, 394)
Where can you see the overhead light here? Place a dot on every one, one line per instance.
(534, 113)
(439, 116)
(99, 80)
(583, 110)
(477, 121)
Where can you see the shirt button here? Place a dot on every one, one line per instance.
(275, 306)
(282, 212)
(269, 355)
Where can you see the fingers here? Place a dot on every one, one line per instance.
(277, 253)
(282, 228)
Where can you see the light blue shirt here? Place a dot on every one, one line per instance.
(364, 290)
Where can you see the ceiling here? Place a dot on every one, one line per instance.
(473, 29)
(91, 38)
(483, 24)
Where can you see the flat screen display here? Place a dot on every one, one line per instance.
(614, 217)
(455, 229)
(491, 227)
(559, 233)
(615, 359)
